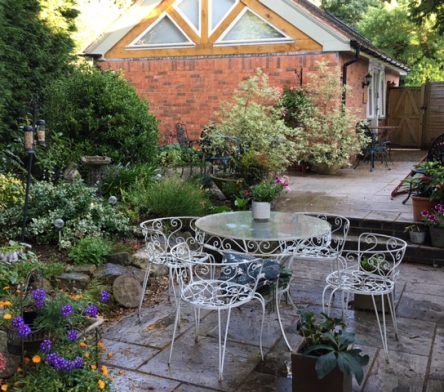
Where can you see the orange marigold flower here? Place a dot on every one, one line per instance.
(7, 316)
(4, 387)
(104, 370)
(83, 344)
(93, 367)
(110, 355)
(100, 345)
(7, 303)
(36, 359)
(101, 384)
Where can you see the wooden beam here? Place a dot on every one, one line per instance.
(184, 25)
(226, 22)
(205, 22)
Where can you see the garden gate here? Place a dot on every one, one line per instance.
(418, 111)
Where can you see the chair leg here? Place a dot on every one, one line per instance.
(382, 330)
(197, 321)
(391, 301)
(262, 301)
(323, 297)
(277, 295)
(224, 347)
(176, 322)
(142, 296)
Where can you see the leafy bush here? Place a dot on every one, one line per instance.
(101, 114)
(91, 250)
(255, 118)
(252, 167)
(296, 102)
(77, 204)
(170, 197)
(266, 191)
(12, 192)
(326, 132)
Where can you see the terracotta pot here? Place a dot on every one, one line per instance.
(437, 236)
(305, 378)
(420, 204)
(261, 210)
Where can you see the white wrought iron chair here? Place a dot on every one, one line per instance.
(371, 270)
(218, 286)
(161, 235)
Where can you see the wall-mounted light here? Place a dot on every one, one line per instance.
(367, 80)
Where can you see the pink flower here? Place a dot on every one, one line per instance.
(2, 362)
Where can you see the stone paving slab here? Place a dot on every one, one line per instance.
(139, 382)
(191, 388)
(404, 372)
(127, 356)
(422, 307)
(197, 363)
(436, 373)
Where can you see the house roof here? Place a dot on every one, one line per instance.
(323, 27)
(364, 44)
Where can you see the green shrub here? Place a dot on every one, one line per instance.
(91, 250)
(12, 192)
(77, 204)
(252, 167)
(170, 197)
(101, 114)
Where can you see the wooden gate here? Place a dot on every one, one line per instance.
(404, 110)
(433, 124)
(419, 113)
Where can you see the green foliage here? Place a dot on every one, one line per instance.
(349, 11)
(77, 204)
(91, 250)
(35, 47)
(327, 340)
(326, 133)
(99, 113)
(252, 167)
(420, 47)
(266, 191)
(255, 118)
(172, 155)
(12, 192)
(428, 12)
(296, 102)
(119, 178)
(430, 182)
(170, 197)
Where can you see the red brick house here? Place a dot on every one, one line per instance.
(186, 56)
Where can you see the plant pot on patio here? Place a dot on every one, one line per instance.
(437, 236)
(420, 204)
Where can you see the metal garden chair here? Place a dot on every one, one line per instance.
(217, 286)
(161, 235)
(371, 270)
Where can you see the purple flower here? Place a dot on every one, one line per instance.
(91, 311)
(72, 335)
(22, 328)
(17, 321)
(39, 296)
(104, 296)
(67, 310)
(46, 346)
(60, 363)
(78, 363)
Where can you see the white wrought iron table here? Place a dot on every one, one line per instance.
(283, 236)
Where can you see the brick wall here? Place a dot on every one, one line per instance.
(190, 90)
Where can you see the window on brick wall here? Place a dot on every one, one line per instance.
(190, 10)
(218, 10)
(376, 93)
(249, 28)
(163, 33)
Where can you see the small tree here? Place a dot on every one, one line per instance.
(326, 133)
(255, 118)
(99, 113)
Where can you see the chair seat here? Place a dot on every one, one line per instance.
(216, 294)
(173, 262)
(360, 282)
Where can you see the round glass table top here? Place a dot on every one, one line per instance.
(282, 226)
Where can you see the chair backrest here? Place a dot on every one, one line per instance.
(239, 271)
(436, 152)
(380, 254)
(165, 233)
(182, 136)
(319, 248)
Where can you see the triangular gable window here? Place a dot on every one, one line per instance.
(164, 33)
(218, 10)
(190, 9)
(250, 28)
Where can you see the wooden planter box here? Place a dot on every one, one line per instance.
(305, 378)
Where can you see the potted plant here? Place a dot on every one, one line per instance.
(326, 360)
(417, 234)
(262, 195)
(427, 187)
(435, 220)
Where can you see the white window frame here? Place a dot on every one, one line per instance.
(376, 92)
(197, 31)
(210, 15)
(220, 41)
(188, 44)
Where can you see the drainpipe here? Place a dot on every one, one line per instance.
(357, 47)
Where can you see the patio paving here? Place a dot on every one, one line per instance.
(140, 351)
(416, 362)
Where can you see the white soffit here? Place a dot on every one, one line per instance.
(119, 28)
(330, 39)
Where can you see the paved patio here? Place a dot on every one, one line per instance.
(140, 351)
